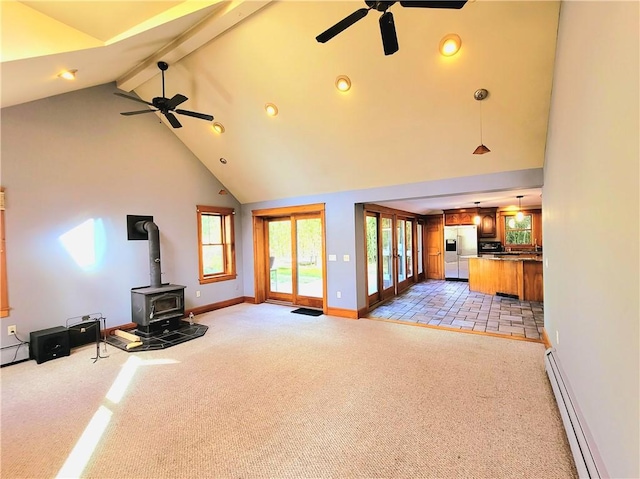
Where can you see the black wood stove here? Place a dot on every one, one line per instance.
(157, 308)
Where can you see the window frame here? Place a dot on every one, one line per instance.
(4, 289)
(228, 242)
(507, 229)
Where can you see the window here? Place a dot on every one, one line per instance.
(517, 232)
(216, 244)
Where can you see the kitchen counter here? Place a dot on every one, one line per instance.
(510, 276)
(513, 254)
(512, 258)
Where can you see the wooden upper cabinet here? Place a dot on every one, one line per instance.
(451, 219)
(466, 218)
(487, 226)
(458, 217)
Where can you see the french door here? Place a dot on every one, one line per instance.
(294, 245)
(390, 245)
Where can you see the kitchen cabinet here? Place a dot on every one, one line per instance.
(458, 217)
(487, 226)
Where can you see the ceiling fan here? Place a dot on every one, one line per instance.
(166, 106)
(387, 26)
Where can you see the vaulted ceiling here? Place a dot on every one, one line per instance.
(409, 117)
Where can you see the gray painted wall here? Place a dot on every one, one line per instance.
(590, 223)
(73, 158)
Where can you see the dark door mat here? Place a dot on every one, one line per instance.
(186, 332)
(308, 311)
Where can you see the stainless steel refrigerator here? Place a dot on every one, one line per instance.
(460, 243)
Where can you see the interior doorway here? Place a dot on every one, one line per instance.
(289, 259)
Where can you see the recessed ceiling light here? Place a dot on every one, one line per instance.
(218, 127)
(223, 161)
(450, 45)
(343, 83)
(271, 109)
(68, 74)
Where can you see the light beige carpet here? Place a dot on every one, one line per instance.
(267, 393)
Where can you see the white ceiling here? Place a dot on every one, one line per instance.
(506, 200)
(409, 117)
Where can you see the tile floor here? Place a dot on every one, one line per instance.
(450, 304)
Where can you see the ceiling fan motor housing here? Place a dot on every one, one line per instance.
(160, 103)
(380, 6)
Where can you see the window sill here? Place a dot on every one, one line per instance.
(216, 279)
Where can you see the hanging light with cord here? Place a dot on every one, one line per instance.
(519, 214)
(476, 218)
(480, 95)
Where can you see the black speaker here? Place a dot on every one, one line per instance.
(48, 344)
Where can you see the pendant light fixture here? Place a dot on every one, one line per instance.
(480, 95)
(476, 218)
(519, 214)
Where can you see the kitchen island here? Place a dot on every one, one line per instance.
(507, 276)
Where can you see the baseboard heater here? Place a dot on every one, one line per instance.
(582, 455)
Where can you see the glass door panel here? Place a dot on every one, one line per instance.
(400, 231)
(387, 253)
(280, 253)
(295, 246)
(419, 250)
(309, 257)
(372, 254)
(409, 248)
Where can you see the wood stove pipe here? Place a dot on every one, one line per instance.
(154, 250)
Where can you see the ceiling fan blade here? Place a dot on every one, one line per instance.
(342, 25)
(139, 112)
(173, 120)
(455, 4)
(175, 101)
(202, 116)
(388, 31)
(132, 98)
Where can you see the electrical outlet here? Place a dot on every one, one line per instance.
(12, 329)
(197, 294)
(338, 294)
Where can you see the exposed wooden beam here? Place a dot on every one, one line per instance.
(228, 15)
